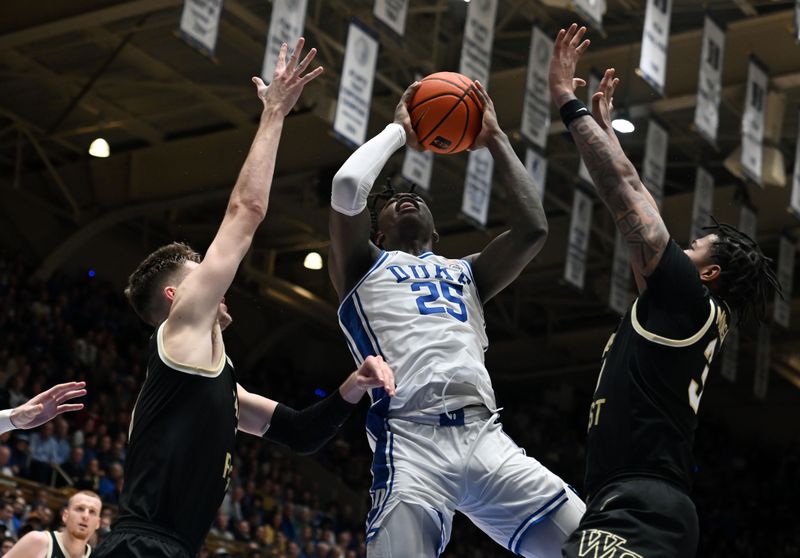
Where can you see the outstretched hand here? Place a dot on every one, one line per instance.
(287, 80)
(373, 373)
(603, 100)
(47, 405)
(402, 117)
(567, 51)
(489, 125)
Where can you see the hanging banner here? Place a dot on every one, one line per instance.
(748, 221)
(592, 84)
(392, 13)
(783, 306)
(355, 87)
(761, 382)
(655, 40)
(797, 20)
(730, 355)
(709, 82)
(703, 203)
(591, 11)
(537, 168)
(478, 186)
(286, 25)
(418, 168)
(619, 295)
(200, 24)
(535, 125)
(476, 50)
(755, 108)
(578, 242)
(794, 204)
(654, 167)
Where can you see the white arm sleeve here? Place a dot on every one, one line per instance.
(5, 421)
(353, 182)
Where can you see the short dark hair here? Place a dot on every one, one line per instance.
(152, 274)
(746, 279)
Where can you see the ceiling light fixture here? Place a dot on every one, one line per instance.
(623, 124)
(99, 148)
(313, 261)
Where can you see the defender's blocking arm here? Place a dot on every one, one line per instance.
(615, 178)
(504, 258)
(307, 430)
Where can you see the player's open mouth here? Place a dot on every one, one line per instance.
(407, 205)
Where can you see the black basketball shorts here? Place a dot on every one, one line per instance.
(636, 518)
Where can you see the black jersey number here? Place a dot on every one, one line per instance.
(696, 389)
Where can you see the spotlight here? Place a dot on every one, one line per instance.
(99, 148)
(313, 261)
(622, 124)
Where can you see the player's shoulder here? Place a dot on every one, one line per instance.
(34, 543)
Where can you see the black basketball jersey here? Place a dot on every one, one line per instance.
(182, 434)
(55, 550)
(644, 411)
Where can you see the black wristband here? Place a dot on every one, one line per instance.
(571, 110)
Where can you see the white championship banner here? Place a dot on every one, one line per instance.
(703, 203)
(535, 124)
(355, 88)
(761, 381)
(655, 41)
(478, 186)
(755, 109)
(580, 224)
(591, 11)
(418, 168)
(783, 305)
(709, 82)
(536, 164)
(476, 50)
(794, 204)
(392, 13)
(730, 355)
(286, 25)
(592, 84)
(619, 293)
(654, 167)
(199, 24)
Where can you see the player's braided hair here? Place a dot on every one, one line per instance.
(746, 278)
(151, 275)
(380, 198)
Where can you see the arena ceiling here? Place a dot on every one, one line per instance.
(179, 125)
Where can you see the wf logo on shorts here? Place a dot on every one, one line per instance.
(602, 544)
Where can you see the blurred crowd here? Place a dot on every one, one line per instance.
(81, 329)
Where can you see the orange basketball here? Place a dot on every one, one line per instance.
(446, 112)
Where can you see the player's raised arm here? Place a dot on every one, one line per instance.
(307, 430)
(352, 252)
(504, 258)
(615, 178)
(198, 296)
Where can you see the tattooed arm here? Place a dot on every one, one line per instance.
(615, 178)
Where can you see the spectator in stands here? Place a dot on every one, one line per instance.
(5, 461)
(220, 527)
(81, 518)
(111, 484)
(8, 527)
(73, 467)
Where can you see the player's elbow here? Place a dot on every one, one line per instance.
(534, 236)
(251, 209)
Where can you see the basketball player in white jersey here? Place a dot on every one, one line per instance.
(438, 444)
(81, 519)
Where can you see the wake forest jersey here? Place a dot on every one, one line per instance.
(182, 435)
(644, 412)
(424, 315)
(55, 550)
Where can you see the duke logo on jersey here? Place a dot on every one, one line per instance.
(424, 315)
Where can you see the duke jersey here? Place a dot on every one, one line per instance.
(424, 316)
(182, 433)
(644, 412)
